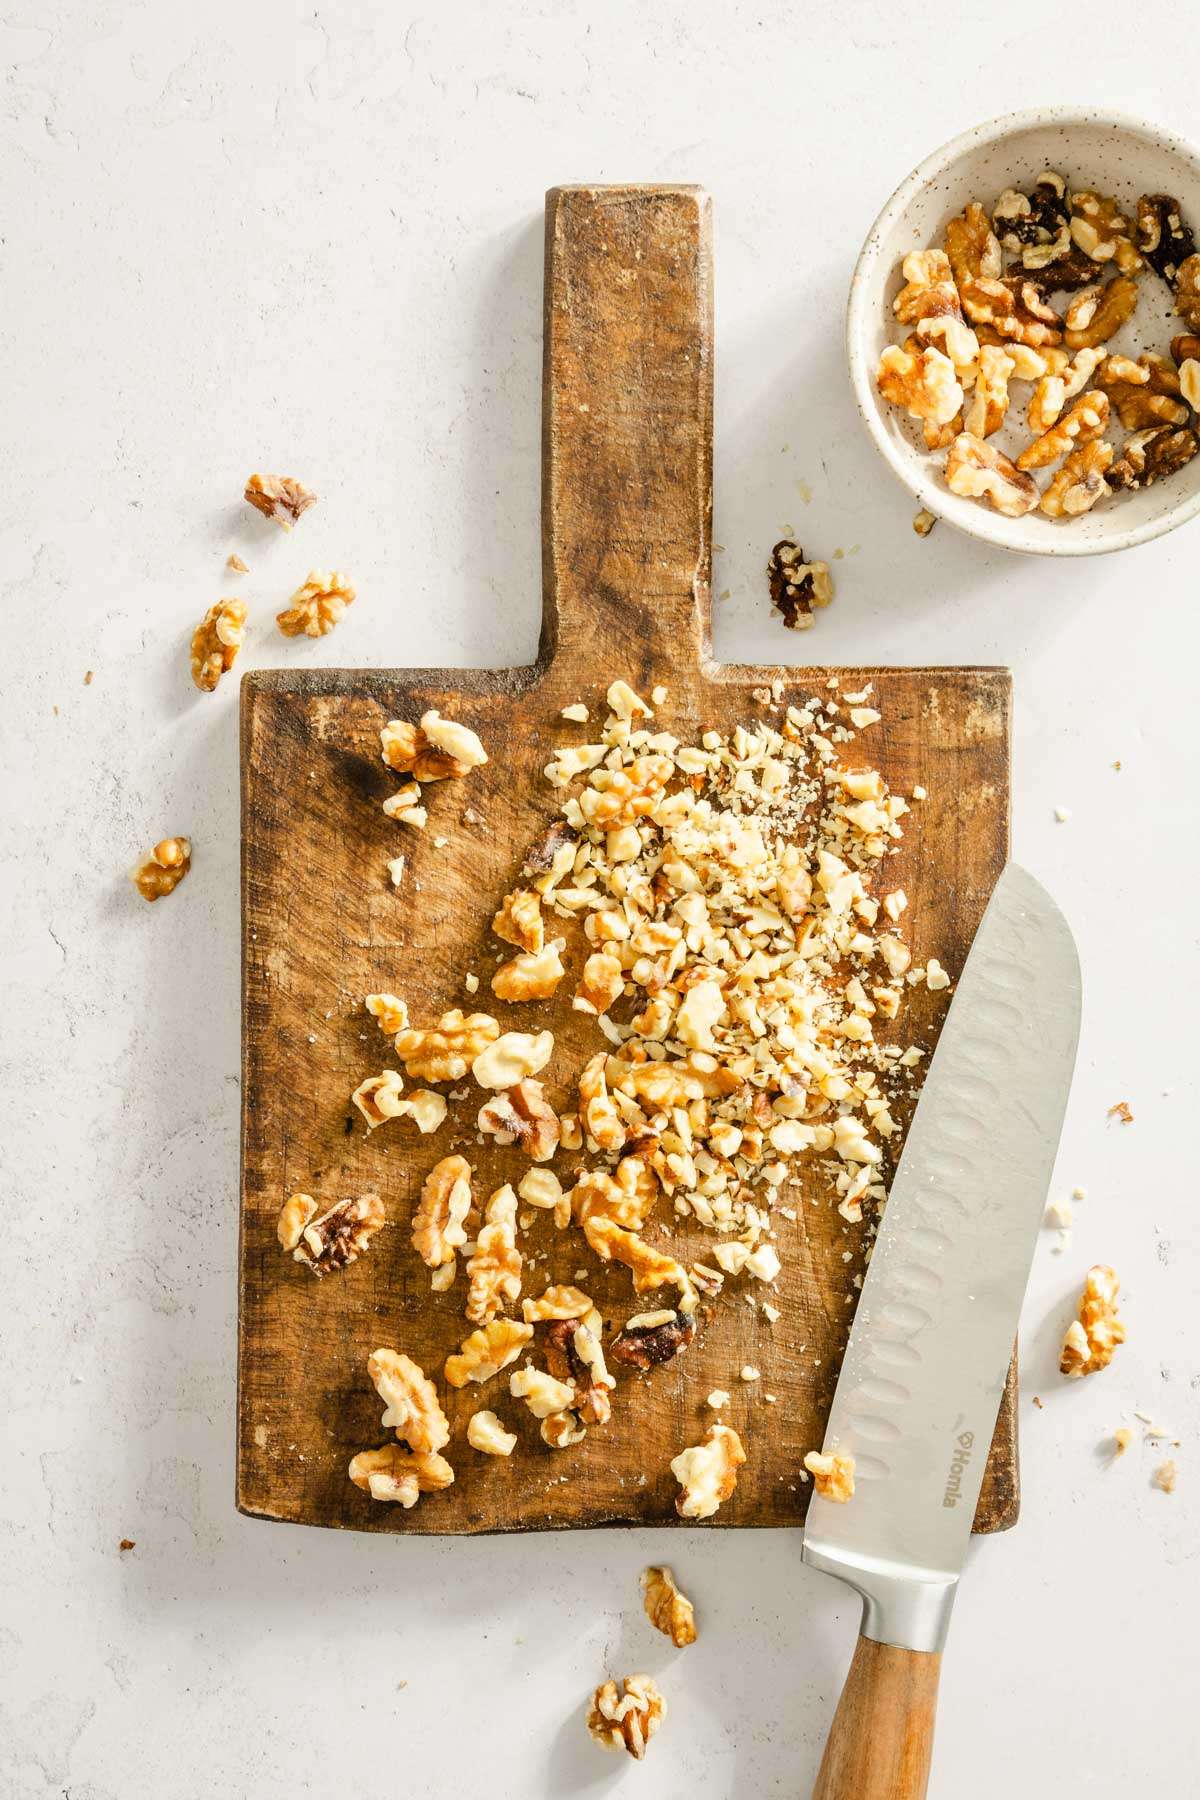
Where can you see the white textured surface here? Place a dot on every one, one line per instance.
(236, 236)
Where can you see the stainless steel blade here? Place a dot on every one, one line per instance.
(925, 1367)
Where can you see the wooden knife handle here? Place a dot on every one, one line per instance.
(881, 1739)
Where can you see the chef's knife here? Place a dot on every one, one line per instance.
(925, 1367)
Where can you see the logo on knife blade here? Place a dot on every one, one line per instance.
(958, 1464)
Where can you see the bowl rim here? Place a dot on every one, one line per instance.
(992, 527)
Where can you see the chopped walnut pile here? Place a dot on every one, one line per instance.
(626, 1718)
(317, 605)
(994, 327)
(279, 497)
(216, 642)
(1092, 1338)
(668, 1610)
(162, 871)
(707, 1472)
(796, 586)
(340, 1236)
(833, 1475)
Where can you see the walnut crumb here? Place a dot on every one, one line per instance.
(667, 1609)
(924, 522)
(1165, 1476)
(833, 1475)
(1121, 1111)
(235, 565)
(1121, 1441)
(279, 497)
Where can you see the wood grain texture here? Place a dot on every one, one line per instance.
(881, 1741)
(626, 524)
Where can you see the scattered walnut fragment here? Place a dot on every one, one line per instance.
(279, 497)
(924, 522)
(519, 920)
(401, 1476)
(486, 1433)
(216, 642)
(533, 975)
(412, 1409)
(485, 1352)
(509, 1058)
(796, 586)
(1122, 1439)
(297, 1212)
(522, 1115)
(340, 1236)
(494, 1271)
(626, 1718)
(1121, 1111)
(833, 1475)
(1165, 1476)
(439, 1222)
(707, 1472)
(542, 1393)
(389, 1012)
(649, 1339)
(162, 871)
(667, 1609)
(318, 604)
(1092, 1339)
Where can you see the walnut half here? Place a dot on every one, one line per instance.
(626, 1718)
(340, 1236)
(317, 605)
(279, 497)
(667, 1609)
(216, 641)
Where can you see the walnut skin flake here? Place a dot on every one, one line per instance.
(216, 642)
(1092, 1339)
(162, 871)
(317, 605)
(279, 497)
(667, 1609)
(626, 1718)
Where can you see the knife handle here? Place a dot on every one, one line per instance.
(881, 1739)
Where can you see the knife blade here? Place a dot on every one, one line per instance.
(929, 1350)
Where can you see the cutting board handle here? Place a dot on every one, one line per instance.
(881, 1739)
(627, 429)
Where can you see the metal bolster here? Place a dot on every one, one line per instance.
(901, 1605)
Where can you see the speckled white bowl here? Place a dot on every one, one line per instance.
(1104, 151)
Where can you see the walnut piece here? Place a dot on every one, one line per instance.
(1146, 392)
(395, 1474)
(562, 1302)
(541, 1393)
(1092, 1338)
(162, 871)
(380, 1098)
(486, 1433)
(405, 807)
(626, 1718)
(446, 1050)
(522, 1115)
(1034, 226)
(1014, 307)
(667, 1609)
(484, 1353)
(533, 975)
(438, 1227)
(1187, 293)
(519, 920)
(1165, 1476)
(1081, 424)
(560, 1430)
(411, 1406)
(707, 1472)
(1102, 231)
(602, 983)
(340, 1236)
(216, 642)
(649, 1267)
(407, 750)
(650, 1339)
(494, 1271)
(981, 472)
(317, 605)
(921, 379)
(509, 1058)
(972, 248)
(1162, 237)
(833, 1475)
(796, 586)
(389, 1012)
(1097, 314)
(1149, 456)
(929, 300)
(456, 741)
(294, 1215)
(1080, 482)
(279, 497)
(989, 401)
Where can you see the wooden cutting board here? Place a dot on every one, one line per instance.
(627, 501)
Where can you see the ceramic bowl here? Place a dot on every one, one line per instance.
(1101, 151)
